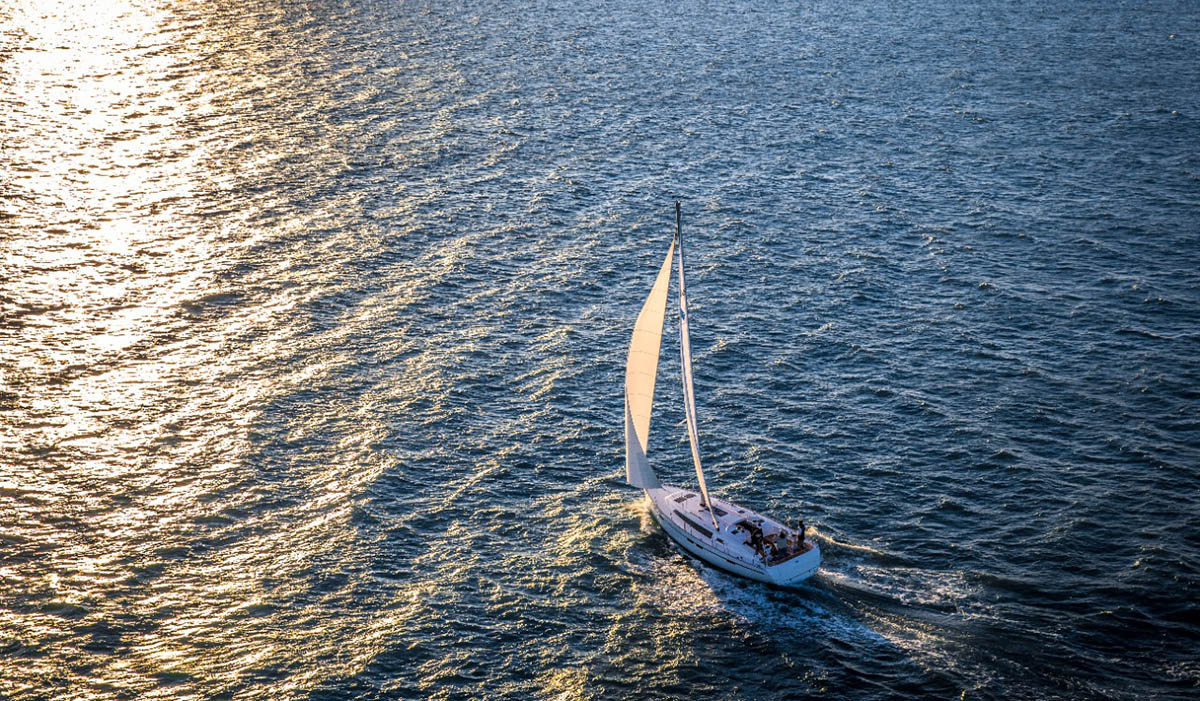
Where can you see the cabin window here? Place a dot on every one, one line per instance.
(699, 529)
(719, 511)
(685, 497)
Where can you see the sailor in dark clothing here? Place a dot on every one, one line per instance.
(756, 541)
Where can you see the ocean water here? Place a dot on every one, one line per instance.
(313, 320)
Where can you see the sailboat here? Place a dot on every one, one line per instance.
(721, 533)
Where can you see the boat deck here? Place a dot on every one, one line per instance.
(744, 541)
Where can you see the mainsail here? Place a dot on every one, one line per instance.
(641, 369)
(685, 363)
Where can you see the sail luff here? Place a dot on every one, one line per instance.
(685, 361)
(641, 370)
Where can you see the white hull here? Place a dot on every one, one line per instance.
(728, 546)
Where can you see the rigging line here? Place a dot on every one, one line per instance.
(685, 359)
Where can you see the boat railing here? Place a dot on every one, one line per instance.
(804, 547)
(712, 539)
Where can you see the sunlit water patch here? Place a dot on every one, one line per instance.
(313, 320)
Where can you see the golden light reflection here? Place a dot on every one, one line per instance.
(84, 142)
(142, 370)
(86, 114)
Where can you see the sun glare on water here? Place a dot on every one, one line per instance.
(134, 376)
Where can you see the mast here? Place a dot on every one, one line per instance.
(685, 362)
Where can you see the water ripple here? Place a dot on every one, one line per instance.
(313, 318)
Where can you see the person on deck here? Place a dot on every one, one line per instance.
(756, 542)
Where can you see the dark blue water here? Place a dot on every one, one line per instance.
(313, 320)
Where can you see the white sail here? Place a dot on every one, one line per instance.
(685, 362)
(641, 369)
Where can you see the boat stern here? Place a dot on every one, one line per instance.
(797, 569)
